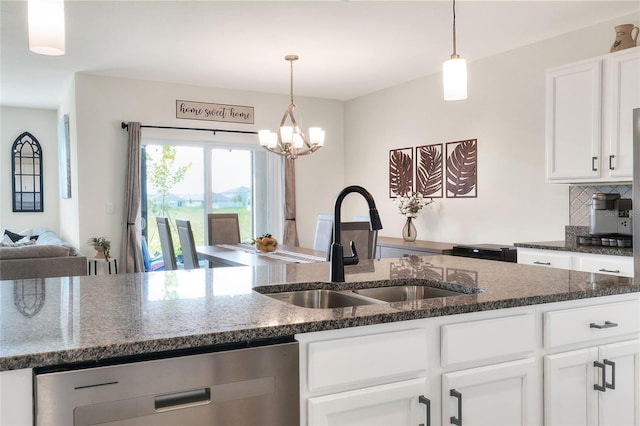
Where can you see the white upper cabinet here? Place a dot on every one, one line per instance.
(622, 89)
(589, 118)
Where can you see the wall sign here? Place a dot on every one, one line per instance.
(214, 112)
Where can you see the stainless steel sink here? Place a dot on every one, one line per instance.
(321, 299)
(403, 293)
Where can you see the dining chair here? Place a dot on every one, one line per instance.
(189, 254)
(358, 231)
(166, 244)
(324, 232)
(223, 228)
(361, 234)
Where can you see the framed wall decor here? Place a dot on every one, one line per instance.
(64, 157)
(462, 169)
(400, 171)
(429, 170)
(26, 172)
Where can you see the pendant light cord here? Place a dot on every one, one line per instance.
(291, 81)
(454, 29)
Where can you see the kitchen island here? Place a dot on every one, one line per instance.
(63, 321)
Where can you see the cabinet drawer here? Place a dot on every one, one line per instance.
(611, 265)
(580, 325)
(373, 359)
(488, 340)
(548, 258)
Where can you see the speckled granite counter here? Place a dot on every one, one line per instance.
(67, 320)
(568, 246)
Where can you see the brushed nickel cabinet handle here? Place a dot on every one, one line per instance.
(607, 324)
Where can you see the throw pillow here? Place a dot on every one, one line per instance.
(14, 236)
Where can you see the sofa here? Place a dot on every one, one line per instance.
(38, 254)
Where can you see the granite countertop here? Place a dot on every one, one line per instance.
(569, 246)
(67, 320)
(426, 246)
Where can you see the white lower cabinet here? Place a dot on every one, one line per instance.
(577, 261)
(500, 394)
(16, 397)
(598, 385)
(400, 403)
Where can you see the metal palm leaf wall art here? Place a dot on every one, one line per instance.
(400, 172)
(460, 159)
(462, 169)
(429, 170)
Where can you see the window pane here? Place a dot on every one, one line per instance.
(231, 186)
(175, 189)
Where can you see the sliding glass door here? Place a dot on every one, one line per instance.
(182, 181)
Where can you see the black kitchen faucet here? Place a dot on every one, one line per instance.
(338, 259)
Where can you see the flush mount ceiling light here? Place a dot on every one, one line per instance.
(289, 141)
(46, 27)
(454, 71)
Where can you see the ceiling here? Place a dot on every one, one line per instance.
(346, 48)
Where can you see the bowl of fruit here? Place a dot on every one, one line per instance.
(266, 244)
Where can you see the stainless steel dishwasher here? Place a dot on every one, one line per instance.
(248, 386)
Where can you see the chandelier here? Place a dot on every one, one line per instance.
(454, 71)
(289, 141)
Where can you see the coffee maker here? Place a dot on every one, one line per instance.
(610, 221)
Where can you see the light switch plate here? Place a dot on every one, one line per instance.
(109, 207)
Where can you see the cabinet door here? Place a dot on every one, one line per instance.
(623, 92)
(620, 404)
(573, 122)
(391, 404)
(500, 394)
(569, 396)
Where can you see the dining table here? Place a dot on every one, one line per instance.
(242, 254)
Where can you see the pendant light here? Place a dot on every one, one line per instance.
(289, 141)
(46, 27)
(454, 71)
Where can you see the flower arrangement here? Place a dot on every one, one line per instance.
(100, 244)
(410, 205)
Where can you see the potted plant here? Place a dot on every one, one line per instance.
(101, 246)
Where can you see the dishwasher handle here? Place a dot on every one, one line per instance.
(176, 400)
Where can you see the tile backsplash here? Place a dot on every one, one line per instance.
(579, 197)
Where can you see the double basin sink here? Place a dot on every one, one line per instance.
(401, 292)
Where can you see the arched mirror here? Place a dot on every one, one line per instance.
(26, 169)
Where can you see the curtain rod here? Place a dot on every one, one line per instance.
(125, 126)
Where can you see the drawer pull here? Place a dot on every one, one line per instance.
(424, 400)
(607, 324)
(542, 263)
(593, 164)
(453, 419)
(612, 271)
(611, 157)
(601, 387)
(612, 364)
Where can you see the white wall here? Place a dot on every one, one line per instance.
(42, 124)
(102, 103)
(505, 112)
